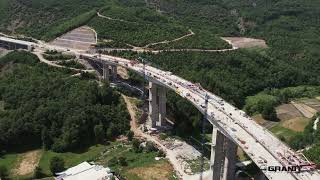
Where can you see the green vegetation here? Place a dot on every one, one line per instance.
(57, 56)
(123, 159)
(4, 172)
(45, 18)
(53, 110)
(233, 75)
(56, 165)
(135, 34)
(271, 98)
(195, 165)
(8, 161)
(70, 158)
(309, 138)
(112, 44)
(290, 27)
(283, 133)
(201, 40)
(138, 25)
(69, 25)
(72, 64)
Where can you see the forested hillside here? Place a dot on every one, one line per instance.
(291, 29)
(44, 106)
(36, 18)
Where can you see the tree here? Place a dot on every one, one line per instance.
(112, 131)
(56, 165)
(46, 141)
(2, 153)
(130, 135)
(122, 161)
(37, 173)
(99, 133)
(3, 172)
(136, 145)
(150, 147)
(112, 162)
(161, 153)
(269, 113)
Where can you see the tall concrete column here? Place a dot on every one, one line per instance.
(230, 160)
(105, 72)
(153, 105)
(114, 72)
(218, 157)
(162, 105)
(213, 145)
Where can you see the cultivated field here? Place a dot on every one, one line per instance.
(306, 110)
(287, 112)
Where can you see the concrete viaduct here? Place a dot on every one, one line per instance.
(225, 144)
(232, 128)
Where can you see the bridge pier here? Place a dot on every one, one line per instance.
(213, 145)
(114, 72)
(162, 92)
(105, 72)
(223, 160)
(153, 105)
(230, 160)
(157, 105)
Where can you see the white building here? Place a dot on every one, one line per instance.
(85, 171)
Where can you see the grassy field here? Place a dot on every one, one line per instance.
(296, 124)
(19, 164)
(70, 158)
(12, 161)
(140, 166)
(280, 132)
(9, 160)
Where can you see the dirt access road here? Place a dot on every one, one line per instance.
(27, 162)
(177, 152)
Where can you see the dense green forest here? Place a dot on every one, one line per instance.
(141, 25)
(44, 18)
(291, 29)
(44, 106)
